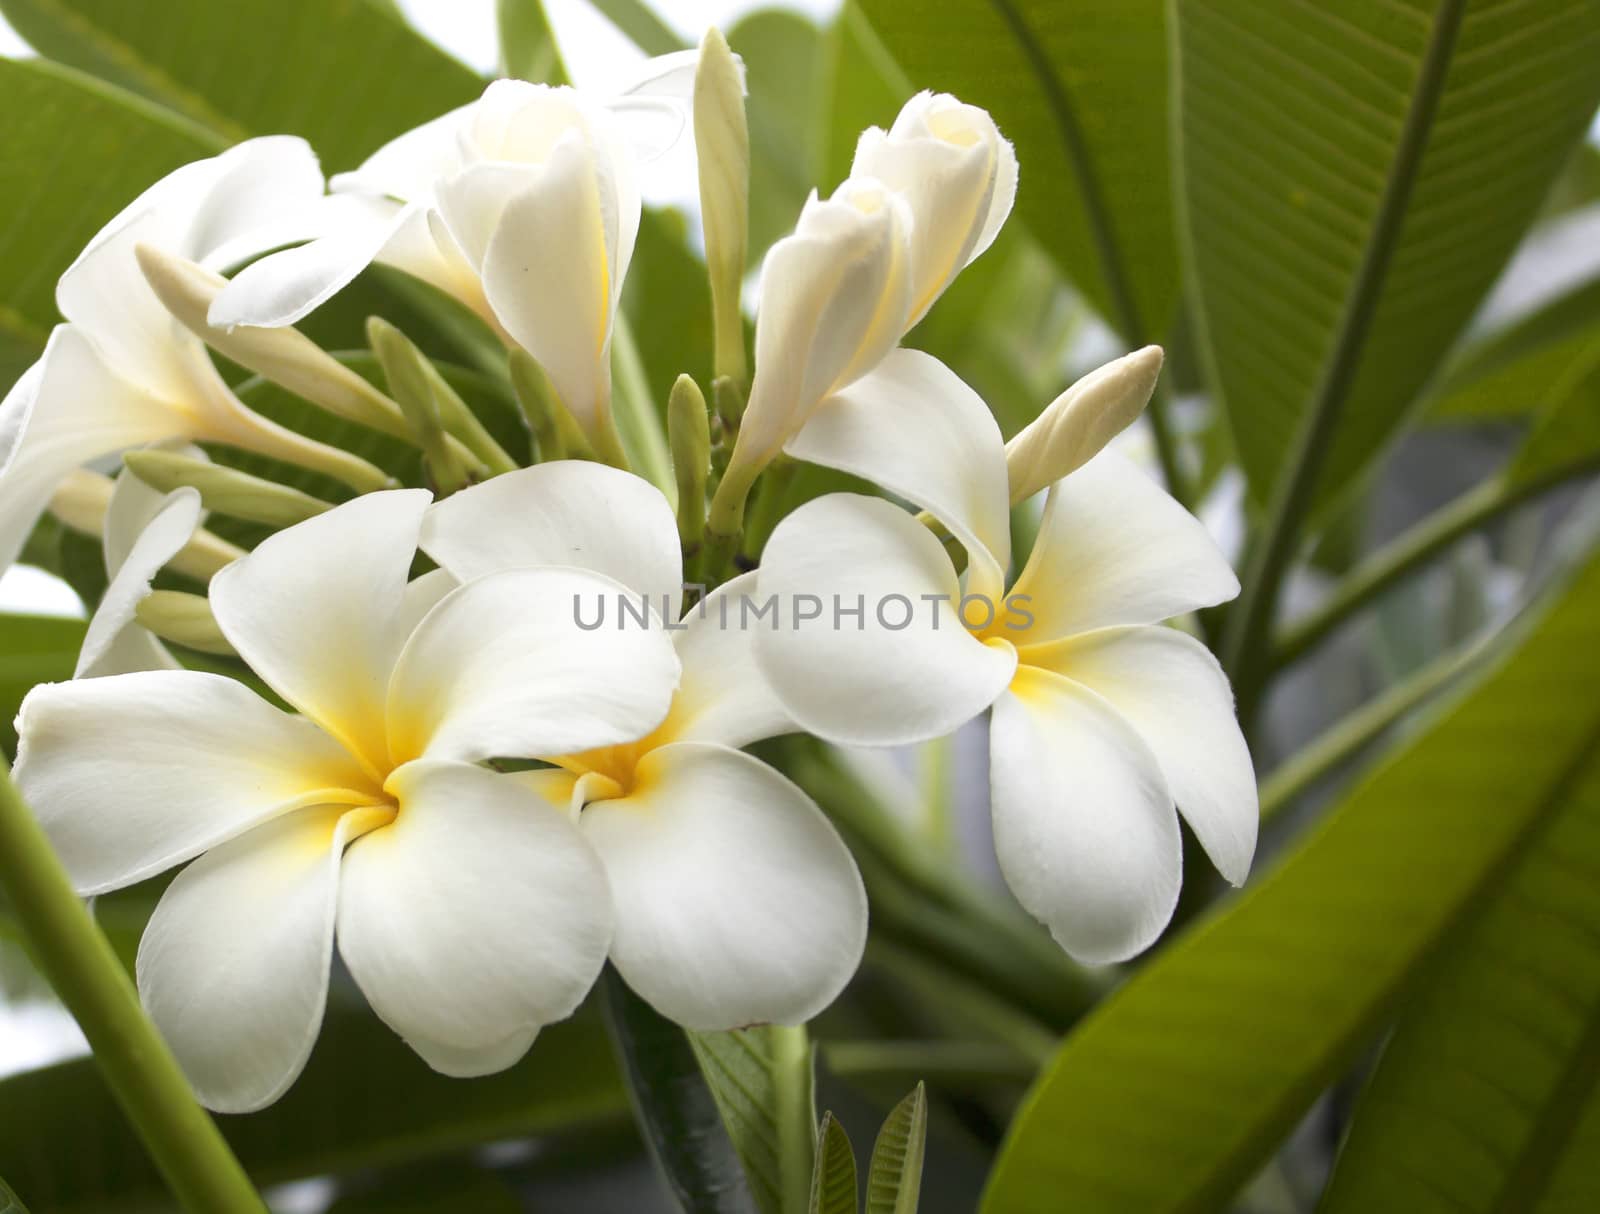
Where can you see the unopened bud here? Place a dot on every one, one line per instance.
(1078, 423)
(722, 150)
(555, 430)
(407, 371)
(225, 490)
(689, 435)
(284, 355)
(183, 619)
(81, 500)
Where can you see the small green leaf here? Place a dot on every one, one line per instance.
(894, 1180)
(833, 1180)
(762, 1081)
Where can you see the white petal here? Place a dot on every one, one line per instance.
(1084, 826)
(315, 611)
(408, 166)
(477, 917)
(422, 595)
(909, 671)
(501, 668)
(1115, 549)
(472, 202)
(233, 966)
(912, 426)
(132, 506)
(132, 774)
(723, 696)
(267, 192)
(737, 902)
(568, 512)
(115, 641)
(1169, 688)
(551, 273)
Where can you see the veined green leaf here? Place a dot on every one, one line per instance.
(528, 49)
(33, 649)
(364, 1101)
(1567, 432)
(833, 1182)
(761, 1079)
(75, 153)
(1487, 1098)
(894, 1181)
(1081, 89)
(1488, 387)
(346, 74)
(1213, 1051)
(1354, 177)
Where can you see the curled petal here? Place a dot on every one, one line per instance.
(884, 660)
(1084, 827)
(477, 917)
(197, 759)
(233, 965)
(737, 902)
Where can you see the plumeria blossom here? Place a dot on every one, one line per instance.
(922, 200)
(1102, 720)
(469, 911)
(523, 205)
(122, 372)
(736, 901)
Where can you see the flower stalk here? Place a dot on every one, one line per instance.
(89, 979)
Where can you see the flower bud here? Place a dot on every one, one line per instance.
(722, 149)
(407, 371)
(689, 433)
(81, 502)
(1078, 423)
(225, 490)
(958, 177)
(183, 619)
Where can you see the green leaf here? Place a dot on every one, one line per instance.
(833, 1182)
(364, 1101)
(1493, 385)
(75, 153)
(1178, 1087)
(1487, 1097)
(894, 1180)
(1353, 180)
(1567, 432)
(346, 74)
(864, 87)
(1579, 183)
(33, 649)
(761, 1079)
(674, 1107)
(1080, 87)
(10, 1203)
(528, 49)
(669, 300)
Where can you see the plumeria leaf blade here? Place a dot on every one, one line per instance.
(1209, 1076)
(10, 1203)
(33, 649)
(833, 1181)
(762, 1081)
(528, 49)
(894, 1179)
(205, 62)
(364, 1101)
(674, 1106)
(1340, 273)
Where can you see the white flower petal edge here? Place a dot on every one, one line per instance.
(723, 696)
(233, 965)
(115, 642)
(1084, 827)
(198, 759)
(872, 683)
(568, 512)
(1115, 549)
(476, 918)
(1171, 689)
(737, 902)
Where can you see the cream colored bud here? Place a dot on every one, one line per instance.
(183, 619)
(80, 502)
(225, 490)
(1083, 419)
(285, 356)
(722, 150)
(689, 434)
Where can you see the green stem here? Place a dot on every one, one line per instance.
(80, 964)
(643, 436)
(1349, 736)
(1250, 621)
(1413, 549)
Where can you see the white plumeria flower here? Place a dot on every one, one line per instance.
(468, 910)
(122, 372)
(922, 200)
(958, 177)
(736, 901)
(523, 205)
(1102, 720)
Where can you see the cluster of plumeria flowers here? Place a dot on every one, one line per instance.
(479, 799)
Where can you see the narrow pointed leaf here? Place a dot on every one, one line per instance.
(1211, 1054)
(528, 49)
(1355, 176)
(894, 1179)
(833, 1182)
